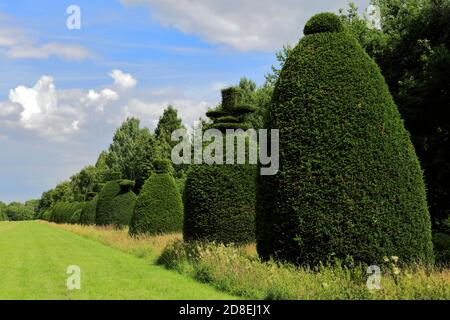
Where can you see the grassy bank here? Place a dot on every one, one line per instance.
(240, 272)
(35, 258)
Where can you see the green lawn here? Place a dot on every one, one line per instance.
(34, 258)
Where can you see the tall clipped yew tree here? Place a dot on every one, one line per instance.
(349, 182)
(219, 200)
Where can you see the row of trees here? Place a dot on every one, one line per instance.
(16, 211)
(349, 182)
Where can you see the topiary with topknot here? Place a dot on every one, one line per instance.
(349, 182)
(219, 200)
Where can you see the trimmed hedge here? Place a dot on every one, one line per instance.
(349, 182)
(219, 200)
(159, 208)
(64, 212)
(88, 213)
(219, 204)
(115, 203)
(323, 22)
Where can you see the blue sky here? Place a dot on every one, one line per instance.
(63, 92)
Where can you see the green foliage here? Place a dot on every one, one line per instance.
(219, 204)
(63, 192)
(159, 208)
(16, 211)
(413, 50)
(233, 112)
(66, 212)
(115, 204)
(349, 182)
(323, 22)
(88, 213)
(3, 215)
(441, 242)
(132, 152)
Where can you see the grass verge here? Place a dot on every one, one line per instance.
(238, 270)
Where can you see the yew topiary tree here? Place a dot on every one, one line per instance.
(115, 203)
(219, 200)
(349, 182)
(159, 207)
(88, 212)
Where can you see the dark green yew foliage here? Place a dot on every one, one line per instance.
(349, 182)
(232, 114)
(115, 203)
(323, 22)
(219, 200)
(65, 212)
(88, 213)
(219, 204)
(159, 208)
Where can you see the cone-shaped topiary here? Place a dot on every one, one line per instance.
(219, 200)
(349, 182)
(88, 213)
(159, 208)
(115, 203)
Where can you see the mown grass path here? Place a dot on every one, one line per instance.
(34, 258)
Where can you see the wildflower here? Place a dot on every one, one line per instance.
(395, 259)
(386, 259)
(396, 270)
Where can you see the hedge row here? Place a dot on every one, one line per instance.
(115, 204)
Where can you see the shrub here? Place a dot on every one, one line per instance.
(219, 204)
(3, 216)
(441, 243)
(159, 208)
(65, 212)
(88, 213)
(219, 200)
(115, 203)
(323, 22)
(349, 182)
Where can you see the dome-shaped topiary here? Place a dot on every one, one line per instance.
(115, 203)
(159, 208)
(323, 22)
(349, 182)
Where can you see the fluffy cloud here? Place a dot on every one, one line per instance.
(241, 24)
(16, 44)
(123, 80)
(42, 112)
(61, 114)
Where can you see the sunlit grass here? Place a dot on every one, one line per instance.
(239, 271)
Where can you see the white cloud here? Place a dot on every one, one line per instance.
(16, 44)
(41, 111)
(66, 52)
(241, 24)
(150, 111)
(123, 80)
(60, 115)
